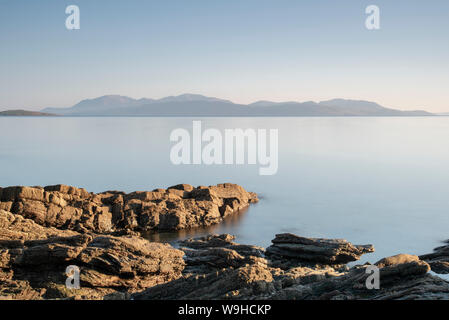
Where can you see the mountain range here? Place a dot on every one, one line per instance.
(199, 105)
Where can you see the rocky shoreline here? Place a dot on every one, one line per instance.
(44, 230)
(177, 207)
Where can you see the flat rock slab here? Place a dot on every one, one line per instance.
(314, 250)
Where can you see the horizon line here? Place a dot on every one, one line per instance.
(40, 108)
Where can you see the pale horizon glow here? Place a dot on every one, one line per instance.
(245, 52)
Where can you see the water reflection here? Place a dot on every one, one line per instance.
(229, 223)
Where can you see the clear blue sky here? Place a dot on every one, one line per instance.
(242, 50)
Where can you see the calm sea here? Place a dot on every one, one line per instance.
(383, 181)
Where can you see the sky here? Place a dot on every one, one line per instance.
(241, 50)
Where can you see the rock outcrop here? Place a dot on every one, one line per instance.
(33, 261)
(178, 207)
(289, 250)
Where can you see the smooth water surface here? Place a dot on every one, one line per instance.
(383, 181)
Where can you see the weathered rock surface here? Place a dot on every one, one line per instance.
(178, 207)
(397, 260)
(33, 261)
(398, 278)
(219, 268)
(243, 282)
(290, 250)
(401, 277)
(214, 252)
(438, 259)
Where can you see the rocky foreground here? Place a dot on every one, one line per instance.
(36, 246)
(293, 267)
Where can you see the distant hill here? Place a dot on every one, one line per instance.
(199, 105)
(25, 113)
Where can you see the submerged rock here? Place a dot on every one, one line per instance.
(178, 207)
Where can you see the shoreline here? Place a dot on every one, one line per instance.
(36, 247)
